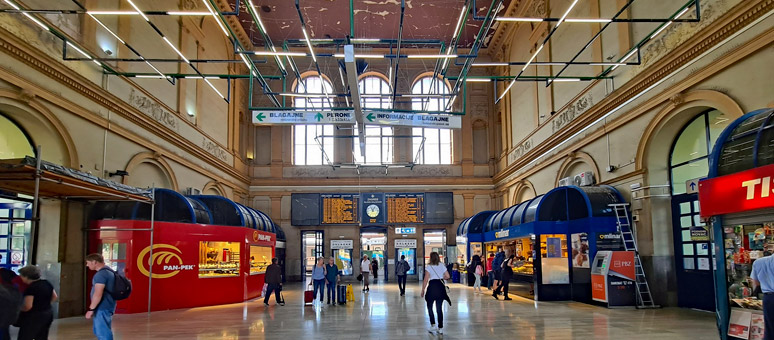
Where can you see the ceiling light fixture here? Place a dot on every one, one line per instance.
(363, 40)
(533, 57)
(566, 13)
(138, 10)
(257, 17)
(362, 56)
(275, 53)
(591, 20)
(431, 56)
(192, 13)
(213, 88)
(564, 79)
(176, 50)
(459, 20)
(309, 43)
(106, 28)
(477, 80)
(519, 19)
(488, 64)
(214, 16)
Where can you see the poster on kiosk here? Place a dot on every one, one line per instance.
(612, 278)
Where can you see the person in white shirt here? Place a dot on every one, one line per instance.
(365, 269)
(435, 271)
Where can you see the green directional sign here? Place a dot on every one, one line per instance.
(370, 117)
(413, 119)
(303, 117)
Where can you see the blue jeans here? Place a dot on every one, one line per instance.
(768, 316)
(490, 281)
(331, 291)
(102, 321)
(402, 284)
(319, 284)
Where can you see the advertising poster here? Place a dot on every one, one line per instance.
(756, 327)
(554, 247)
(580, 250)
(700, 233)
(739, 324)
(609, 241)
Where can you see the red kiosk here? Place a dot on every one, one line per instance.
(196, 251)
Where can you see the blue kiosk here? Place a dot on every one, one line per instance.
(470, 236)
(557, 234)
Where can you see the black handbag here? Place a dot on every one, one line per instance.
(360, 277)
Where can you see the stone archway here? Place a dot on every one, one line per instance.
(524, 191)
(213, 188)
(575, 163)
(149, 169)
(41, 126)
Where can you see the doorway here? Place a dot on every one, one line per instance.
(311, 249)
(15, 227)
(434, 241)
(373, 243)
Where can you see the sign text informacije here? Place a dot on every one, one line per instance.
(348, 117)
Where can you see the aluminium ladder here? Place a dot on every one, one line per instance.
(644, 297)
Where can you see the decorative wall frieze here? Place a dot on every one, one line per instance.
(724, 27)
(519, 150)
(154, 109)
(573, 111)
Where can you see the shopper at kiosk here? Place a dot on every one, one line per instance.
(505, 278)
(763, 277)
(497, 266)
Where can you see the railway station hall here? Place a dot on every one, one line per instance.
(386, 169)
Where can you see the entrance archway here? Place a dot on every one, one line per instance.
(672, 151)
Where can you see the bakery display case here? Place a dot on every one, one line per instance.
(260, 259)
(218, 259)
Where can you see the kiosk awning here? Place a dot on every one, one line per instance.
(56, 181)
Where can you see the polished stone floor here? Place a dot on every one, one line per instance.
(382, 314)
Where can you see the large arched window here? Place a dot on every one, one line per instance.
(379, 142)
(306, 151)
(14, 143)
(689, 157)
(437, 147)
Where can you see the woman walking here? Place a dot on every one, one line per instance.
(436, 291)
(36, 316)
(375, 269)
(365, 269)
(318, 276)
(506, 274)
(478, 270)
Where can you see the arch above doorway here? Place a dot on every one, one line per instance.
(674, 114)
(524, 191)
(150, 161)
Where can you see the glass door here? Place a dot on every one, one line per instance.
(434, 241)
(15, 226)
(374, 245)
(311, 249)
(411, 258)
(693, 255)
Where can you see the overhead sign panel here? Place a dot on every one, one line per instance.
(340, 208)
(405, 208)
(410, 119)
(348, 117)
(304, 117)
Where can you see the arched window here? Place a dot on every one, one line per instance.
(437, 142)
(306, 150)
(379, 141)
(688, 159)
(14, 143)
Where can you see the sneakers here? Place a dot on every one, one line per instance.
(440, 331)
(495, 296)
(432, 329)
(266, 303)
(281, 303)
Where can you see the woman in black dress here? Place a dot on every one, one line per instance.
(505, 279)
(36, 313)
(375, 269)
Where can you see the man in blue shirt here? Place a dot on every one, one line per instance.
(102, 304)
(763, 276)
(497, 264)
(331, 278)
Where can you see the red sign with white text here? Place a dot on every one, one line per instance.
(743, 191)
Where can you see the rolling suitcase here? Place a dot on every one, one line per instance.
(308, 296)
(341, 294)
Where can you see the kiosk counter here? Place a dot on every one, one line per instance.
(189, 265)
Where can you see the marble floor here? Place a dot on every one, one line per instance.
(383, 314)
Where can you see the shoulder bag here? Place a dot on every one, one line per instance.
(448, 290)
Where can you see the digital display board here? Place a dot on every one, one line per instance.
(340, 208)
(405, 208)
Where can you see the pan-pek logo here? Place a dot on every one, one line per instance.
(166, 261)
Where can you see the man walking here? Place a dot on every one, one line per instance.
(332, 278)
(497, 266)
(273, 280)
(102, 305)
(489, 272)
(401, 270)
(763, 276)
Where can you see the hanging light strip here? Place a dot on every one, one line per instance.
(478, 80)
(431, 56)
(174, 13)
(176, 50)
(362, 56)
(215, 16)
(138, 10)
(533, 57)
(561, 20)
(576, 20)
(308, 43)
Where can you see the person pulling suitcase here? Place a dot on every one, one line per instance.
(332, 279)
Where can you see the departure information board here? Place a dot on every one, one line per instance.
(340, 208)
(405, 208)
